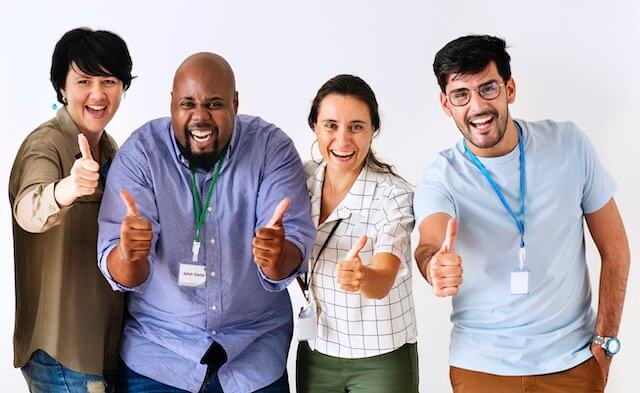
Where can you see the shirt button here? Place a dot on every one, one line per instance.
(213, 332)
(213, 274)
(212, 241)
(214, 308)
(209, 209)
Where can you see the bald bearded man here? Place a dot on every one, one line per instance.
(204, 222)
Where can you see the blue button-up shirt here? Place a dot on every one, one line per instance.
(170, 327)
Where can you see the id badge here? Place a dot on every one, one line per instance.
(192, 275)
(307, 322)
(520, 282)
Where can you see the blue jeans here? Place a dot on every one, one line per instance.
(131, 382)
(44, 374)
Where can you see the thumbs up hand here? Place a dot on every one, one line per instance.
(351, 271)
(268, 243)
(83, 177)
(135, 232)
(445, 267)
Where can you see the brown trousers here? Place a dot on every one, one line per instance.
(583, 378)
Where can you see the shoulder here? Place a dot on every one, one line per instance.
(47, 138)
(310, 168)
(553, 130)
(389, 185)
(150, 136)
(256, 127)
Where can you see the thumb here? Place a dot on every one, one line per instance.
(450, 237)
(278, 214)
(356, 248)
(130, 203)
(85, 149)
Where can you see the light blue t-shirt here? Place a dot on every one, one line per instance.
(549, 329)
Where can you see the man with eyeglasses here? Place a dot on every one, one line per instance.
(507, 203)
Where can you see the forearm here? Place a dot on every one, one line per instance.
(613, 285)
(423, 255)
(126, 273)
(36, 210)
(291, 259)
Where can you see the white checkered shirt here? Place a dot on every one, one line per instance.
(350, 325)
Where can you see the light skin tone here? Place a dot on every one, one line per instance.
(344, 133)
(204, 104)
(91, 102)
(435, 254)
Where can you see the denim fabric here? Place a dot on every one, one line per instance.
(44, 374)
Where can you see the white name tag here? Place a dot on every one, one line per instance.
(307, 323)
(520, 283)
(192, 275)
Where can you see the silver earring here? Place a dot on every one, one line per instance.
(312, 157)
(64, 100)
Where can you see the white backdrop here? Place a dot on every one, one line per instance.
(572, 60)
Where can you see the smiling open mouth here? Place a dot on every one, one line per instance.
(95, 109)
(343, 155)
(201, 136)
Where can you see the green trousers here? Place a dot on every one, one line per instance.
(393, 372)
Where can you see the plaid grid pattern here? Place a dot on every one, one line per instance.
(350, 325)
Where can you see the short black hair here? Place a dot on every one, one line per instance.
(96, 53)
(469, 55)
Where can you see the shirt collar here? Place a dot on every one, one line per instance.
(358, 198)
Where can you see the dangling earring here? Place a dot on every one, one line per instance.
(313, 158)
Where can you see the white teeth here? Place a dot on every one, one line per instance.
(97, 107)
(343, 154)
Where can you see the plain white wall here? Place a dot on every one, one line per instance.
(571, 60)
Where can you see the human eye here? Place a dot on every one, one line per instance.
(459, 94)
(330, 125)
(488, 89)
(357, 127)
(110, 81)
(186, 104)
(214, 104)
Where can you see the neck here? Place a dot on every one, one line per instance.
(338, 185)
(505, 146)
(93, 138)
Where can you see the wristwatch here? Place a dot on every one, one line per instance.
(611, 345)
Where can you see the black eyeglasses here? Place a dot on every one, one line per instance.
(488, 91)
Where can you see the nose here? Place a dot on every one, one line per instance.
(342, 136)
(477, 104)
(200, 113)
(97, 91)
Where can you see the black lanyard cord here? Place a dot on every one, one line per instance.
(305, 284)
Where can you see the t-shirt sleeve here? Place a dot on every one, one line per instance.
(432, 196)
(598, 186)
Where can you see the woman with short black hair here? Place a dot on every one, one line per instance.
(68, 320)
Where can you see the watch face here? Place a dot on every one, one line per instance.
(613, 346)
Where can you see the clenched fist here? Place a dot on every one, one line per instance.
(83, 178)
(351, 271)
(268, 243)
(445, 267)
(135, 232)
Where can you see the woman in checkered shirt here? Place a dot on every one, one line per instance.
(359, 281)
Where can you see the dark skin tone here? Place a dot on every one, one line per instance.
(204, 104)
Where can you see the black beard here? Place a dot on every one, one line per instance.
(204, 161)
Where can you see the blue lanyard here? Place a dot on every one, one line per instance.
(523, 191)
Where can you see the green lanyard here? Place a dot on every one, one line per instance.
(201, 209)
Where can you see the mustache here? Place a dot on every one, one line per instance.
(481, 114)
(202, 124)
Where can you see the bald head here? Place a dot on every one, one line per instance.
(206, 64)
